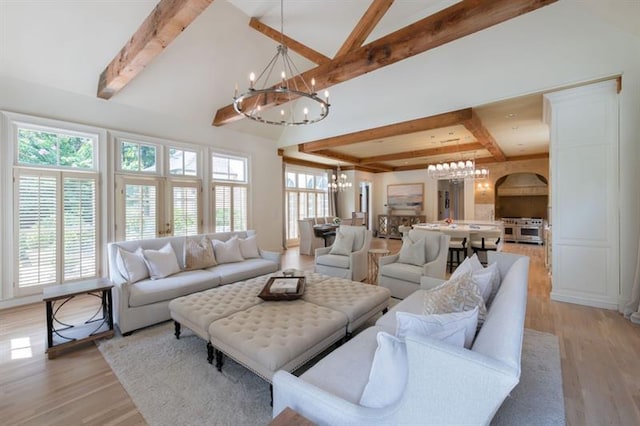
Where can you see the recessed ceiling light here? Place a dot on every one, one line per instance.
(520, 144)
(451, 133)
(515, 127)
(433, 136)
(511, 115)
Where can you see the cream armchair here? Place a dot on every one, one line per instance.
(353, 265)
(403, 278)
(308, 240)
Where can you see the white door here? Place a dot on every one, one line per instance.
(584, 187)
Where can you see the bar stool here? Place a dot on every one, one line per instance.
(457, 247)
(482, 242)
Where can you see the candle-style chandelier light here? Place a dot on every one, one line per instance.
(456, 171)
(339, 181)
(263, 90)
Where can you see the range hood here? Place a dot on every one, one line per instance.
(523, 184)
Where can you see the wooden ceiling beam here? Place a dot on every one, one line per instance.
(301, 49)
(452, 23)
(363, 28)
(305, 163)
(396, 129)
(167, 20)
(539, 156)
(482, 135)
(327, 153)
(441, 150)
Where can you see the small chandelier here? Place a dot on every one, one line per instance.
(456, 171)
(339, 182)
(309, 108)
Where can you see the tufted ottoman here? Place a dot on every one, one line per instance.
(275, 336)
(198, 310)
(356, 300)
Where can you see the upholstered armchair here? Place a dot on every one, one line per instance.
(423, 253)
(308, 240)
(347, 256)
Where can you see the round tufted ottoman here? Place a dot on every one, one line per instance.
(275, 336)
(357, 301)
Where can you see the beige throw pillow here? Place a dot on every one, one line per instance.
(199, 254)
(456, 295)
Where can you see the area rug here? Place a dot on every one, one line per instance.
(171, 383)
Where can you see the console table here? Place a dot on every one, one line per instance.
(68, 335)
(388, 224)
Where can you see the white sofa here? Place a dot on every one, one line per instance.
(403, 279)
(446, 384)
(146, 302)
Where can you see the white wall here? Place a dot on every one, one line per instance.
(266, 165)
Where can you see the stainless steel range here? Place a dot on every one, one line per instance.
(523, 229)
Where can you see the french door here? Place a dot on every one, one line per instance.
(157, 207)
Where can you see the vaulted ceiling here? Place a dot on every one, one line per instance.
(188, 68)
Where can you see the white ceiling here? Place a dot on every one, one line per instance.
(66, 44)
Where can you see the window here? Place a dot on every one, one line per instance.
(138, 157)
(168, 203)
(183, 162)
(56, 207)
(55, 149)
(230, 192)
(306, 196)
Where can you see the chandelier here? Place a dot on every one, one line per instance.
(456, 171)
(309, 107)
(339, 182)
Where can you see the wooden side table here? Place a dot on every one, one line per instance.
(68, 335)
(374, 259)
(289, 417)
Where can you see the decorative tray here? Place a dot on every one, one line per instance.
(283, 288)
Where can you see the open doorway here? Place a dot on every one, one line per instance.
(364, 200)
(450, 200)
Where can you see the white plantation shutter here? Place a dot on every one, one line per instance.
(140, 211)
(37, 214)
(239, 208)
(186, 212)
(222, 208)
(80, 231)
(231, 207)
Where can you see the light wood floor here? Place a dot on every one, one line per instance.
(600, 353)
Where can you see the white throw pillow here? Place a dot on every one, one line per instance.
(343, 244)
(456, 295)
(412, 253)
(161, 263)
(390, 368)
(132, 265)
(426, 325)
(228, 251)
(249, 247)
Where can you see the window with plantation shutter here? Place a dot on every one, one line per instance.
(37, 222)
(80, 229)
(140, 210)
(306, 196)
(57, 227)
(186, 208)
(231, 194)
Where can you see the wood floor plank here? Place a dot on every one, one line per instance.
(599, 350)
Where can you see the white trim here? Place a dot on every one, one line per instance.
(20, 301)
(582, 300)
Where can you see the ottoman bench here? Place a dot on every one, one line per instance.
(276, 336)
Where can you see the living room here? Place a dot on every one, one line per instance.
(52, 54)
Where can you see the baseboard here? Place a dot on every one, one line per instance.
(586, 301)
(20, 301)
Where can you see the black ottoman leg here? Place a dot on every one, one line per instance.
(209, 352)
(219, 359)
(176, 325)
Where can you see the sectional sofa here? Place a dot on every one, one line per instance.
(140, 303)
(445, 384)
